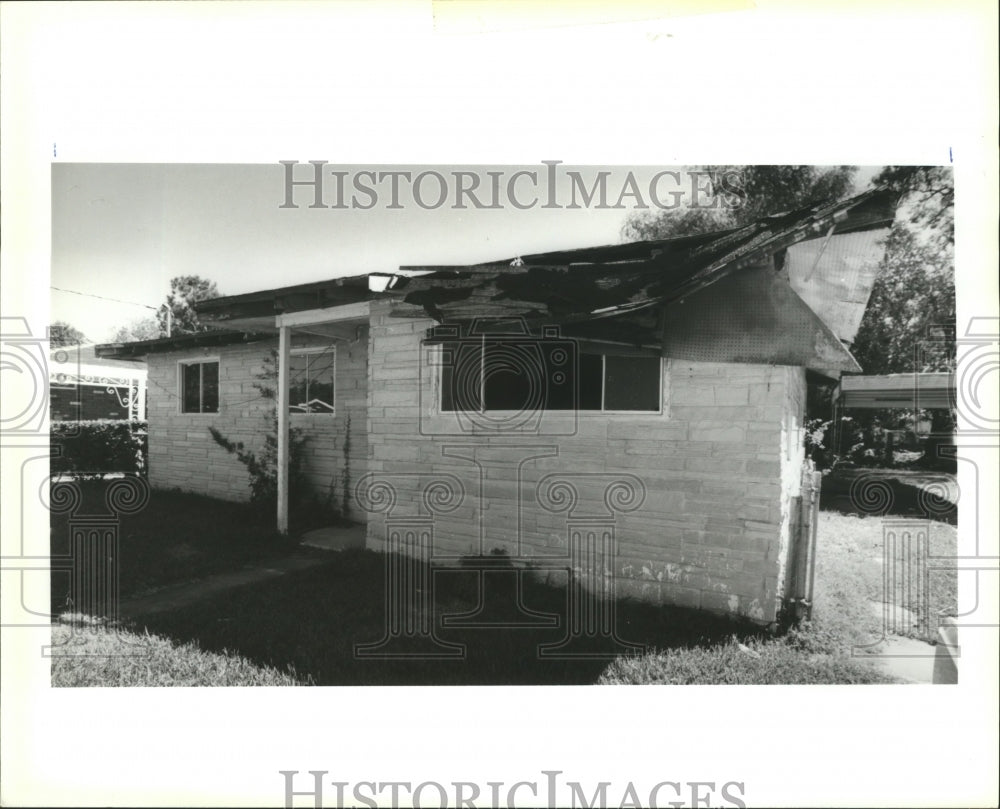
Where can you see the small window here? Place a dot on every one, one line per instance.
(200, 387)
(632, 383)
(519, 375)
(310, 380)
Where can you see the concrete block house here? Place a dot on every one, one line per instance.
(632, 413)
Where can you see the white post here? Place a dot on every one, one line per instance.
(140, 403)
(284, 354)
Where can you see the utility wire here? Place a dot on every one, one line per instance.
(104, 298)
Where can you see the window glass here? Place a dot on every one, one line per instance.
(298, 382)
(191, 384)
(525, 374)
(461, 376)
(321, 367)
(632, 383)
(210, 387)
(311, 382)
(591, 370)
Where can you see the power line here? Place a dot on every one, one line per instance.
(104, 298)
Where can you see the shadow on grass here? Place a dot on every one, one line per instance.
(313, 620)
(888, 493)
(177, 536)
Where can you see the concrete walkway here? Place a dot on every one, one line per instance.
(191, 592)
(906, 659)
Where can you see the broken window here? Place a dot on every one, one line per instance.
(529, 375)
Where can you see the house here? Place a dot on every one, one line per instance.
(84, 386)
(631, 412)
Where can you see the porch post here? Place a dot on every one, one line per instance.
(140, 399)
(284, 342)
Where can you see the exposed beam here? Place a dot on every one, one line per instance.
(308, 317)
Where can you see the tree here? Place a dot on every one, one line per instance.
(185, 290)
(765, 190)
(145, 328)
(912, 304)
(62, 333)
(928, 199)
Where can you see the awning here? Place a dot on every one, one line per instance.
(918, 391)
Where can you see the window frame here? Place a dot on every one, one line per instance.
(438, 388)
(305, 350)
(181, 364)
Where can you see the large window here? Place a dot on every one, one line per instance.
(200, 387)
(519, 375)
(310, 380)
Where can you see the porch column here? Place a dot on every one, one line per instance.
(140, 398)
(284, 353)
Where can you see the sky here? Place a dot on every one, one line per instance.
(122, 231)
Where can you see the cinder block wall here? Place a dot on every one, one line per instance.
(182, 453)
(716, 468)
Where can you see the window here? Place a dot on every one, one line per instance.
(200, 387)
(310, 380)
(520, 374)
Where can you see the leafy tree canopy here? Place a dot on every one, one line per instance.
(145, 328)
(766, 190)
(62, 333)
(185, 290)
(911, 311)
(927, 199)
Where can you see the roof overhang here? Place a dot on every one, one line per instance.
(162, 345)
(917, 391)
(257, 311)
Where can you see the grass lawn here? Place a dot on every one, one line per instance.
(94, 656)
(313, 620)
(177, 537)
(310, 621)
(850, 577)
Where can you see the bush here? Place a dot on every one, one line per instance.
(98, 446)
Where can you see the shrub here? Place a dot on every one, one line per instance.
(262, 464)
(98, 446)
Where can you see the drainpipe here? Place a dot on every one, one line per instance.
(284, 354)
(816, 482)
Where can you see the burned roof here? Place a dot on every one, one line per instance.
(584, 285)
(622, 294)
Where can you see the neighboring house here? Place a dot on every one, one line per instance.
(84, 386)
(633, 412)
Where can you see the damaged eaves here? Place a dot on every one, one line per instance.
(617, 284)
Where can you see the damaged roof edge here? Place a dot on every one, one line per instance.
(664, 276)
(868, 210)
